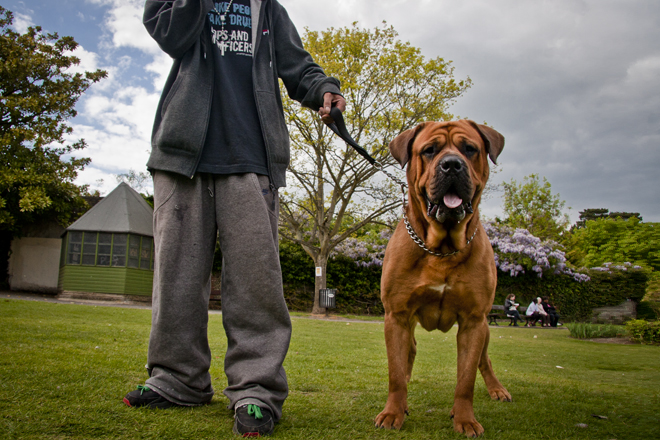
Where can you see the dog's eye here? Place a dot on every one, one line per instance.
(430, 151)
(470, 150)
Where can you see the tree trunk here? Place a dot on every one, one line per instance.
(319, 283)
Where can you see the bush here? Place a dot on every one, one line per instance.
(644, 331)
(648, 310)
(575, 300)
(358, 286)
(582, 330)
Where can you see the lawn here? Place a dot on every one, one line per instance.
(65, 368)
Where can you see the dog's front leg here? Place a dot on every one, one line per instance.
(398, 339)
(471, 340)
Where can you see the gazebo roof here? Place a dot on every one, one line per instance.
(121, 211)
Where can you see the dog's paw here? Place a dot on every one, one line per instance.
(500, 394)
(468, 426)
(390, 419)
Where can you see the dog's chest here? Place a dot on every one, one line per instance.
(431, 305)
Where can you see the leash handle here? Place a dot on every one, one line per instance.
(339, 128)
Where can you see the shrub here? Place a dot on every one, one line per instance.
(644, 331)
(575, 301)
(648, 310)
(358, 285)
(581, 330)
(517, 251)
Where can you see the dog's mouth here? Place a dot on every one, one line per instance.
(452, 206)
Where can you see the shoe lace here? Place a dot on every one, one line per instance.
(254, 410)
(143, 388)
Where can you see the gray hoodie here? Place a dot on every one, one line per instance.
(181, 29)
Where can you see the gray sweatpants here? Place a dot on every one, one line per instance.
(243, 212)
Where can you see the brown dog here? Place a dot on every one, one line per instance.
(453, 279)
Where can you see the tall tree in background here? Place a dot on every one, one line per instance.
(37, 96)
(532, 205)
(389, 87)
(615, 240)
(600, 213)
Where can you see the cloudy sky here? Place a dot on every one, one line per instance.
(573, 85)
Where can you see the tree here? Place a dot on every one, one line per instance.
(532, 206)
(37, 96)
(598, 213)
(615, 240)
(389, 87)
(138, 180)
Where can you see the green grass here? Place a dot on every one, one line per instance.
(65, 368)
(583, 330)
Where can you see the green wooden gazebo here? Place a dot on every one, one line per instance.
(109, 250)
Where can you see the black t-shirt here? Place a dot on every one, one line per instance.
(234, 143)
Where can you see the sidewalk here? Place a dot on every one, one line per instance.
(29, 296)
(52, 298)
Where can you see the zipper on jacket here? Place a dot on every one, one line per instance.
(267, 20)
(201, 151)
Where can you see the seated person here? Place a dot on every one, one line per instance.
(535, 312)
(551, 310)
(511, 309)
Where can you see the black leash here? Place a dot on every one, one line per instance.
(339, 128)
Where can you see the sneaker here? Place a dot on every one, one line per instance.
(253, 421)
(145, 396)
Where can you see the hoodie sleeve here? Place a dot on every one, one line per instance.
(175, 25)
(304, 80)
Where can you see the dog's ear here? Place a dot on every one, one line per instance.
(401, 145)
(493, 140)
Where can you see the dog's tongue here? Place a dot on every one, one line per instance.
(452, 201)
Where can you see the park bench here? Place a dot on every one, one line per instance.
(498, 312)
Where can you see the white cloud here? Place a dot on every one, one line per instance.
(117, 114)
(89, 61)
(124, 23)
(22, 22)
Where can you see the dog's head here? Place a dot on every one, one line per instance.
(447, 165)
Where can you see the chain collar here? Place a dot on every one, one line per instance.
(420, 242)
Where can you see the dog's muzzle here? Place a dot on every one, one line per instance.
(449, 194)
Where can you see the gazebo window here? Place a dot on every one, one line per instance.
(119, 250)
(75, 248)
(106, 249)
(145, 253)
(89, 249)
(134, 251)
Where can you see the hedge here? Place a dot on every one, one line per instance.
(643, 331)
(358, 288)
(575, 300)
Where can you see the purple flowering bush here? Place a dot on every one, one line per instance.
(367, 250)
(518, 251)
(610, 267)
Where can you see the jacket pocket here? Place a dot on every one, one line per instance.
(170, 94)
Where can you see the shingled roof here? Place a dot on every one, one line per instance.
(121, 211)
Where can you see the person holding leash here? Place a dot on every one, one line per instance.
(220, 149)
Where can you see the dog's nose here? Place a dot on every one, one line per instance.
(451, 164)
